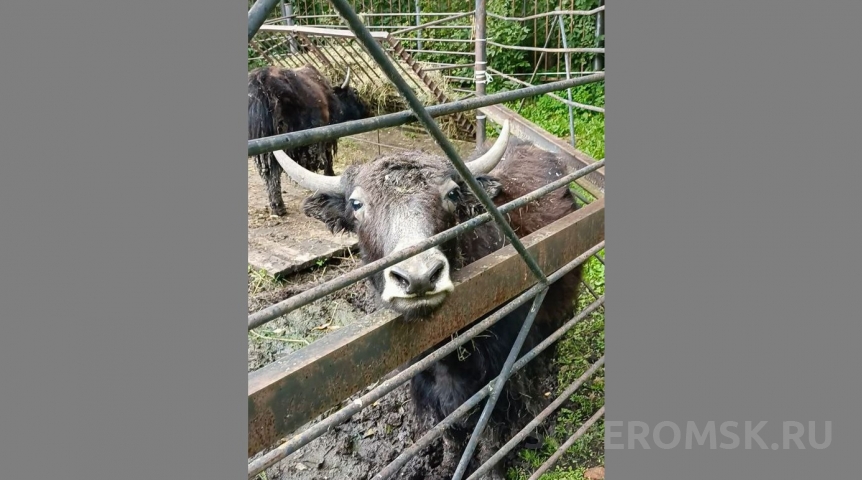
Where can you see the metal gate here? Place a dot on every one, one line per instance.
(290, 392)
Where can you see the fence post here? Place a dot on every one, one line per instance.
(418, 22)
(287, 11)
(257, 15)
(480, 67)
(568, 58)
(600, 31)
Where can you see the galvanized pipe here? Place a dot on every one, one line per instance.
(525, 432)
(330, 132)
(300, 300)
(481, 64)
(376, 51)
(418, 25)
(435, 40)
(287, 7)
(435, 22)
(568, 58)
(300, 440)
(547, 50)
(439, 52)
(549, 14)
(467, 406)
(600, 31)
(397, 28)
(568, 444)
(257, 15)
(555, 97)
(388, 14)
(497, 389)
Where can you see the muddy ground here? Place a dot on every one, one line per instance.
(357, 449)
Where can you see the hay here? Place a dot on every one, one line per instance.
(370, 82)
(383, 97)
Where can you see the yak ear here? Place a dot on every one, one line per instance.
(490, 184)
(331, 209)
(470, 205)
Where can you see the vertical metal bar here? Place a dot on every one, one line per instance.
(568, 57)
(535, 29)
(505, 372)
(600, 31)
(481, 17)
(548, 56)
(418, 22)
(536, 421)
(388, 67)
(257, 15)
(287, 6)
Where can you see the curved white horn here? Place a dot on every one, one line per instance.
(346, 79)
(306, 178)
(489, 159)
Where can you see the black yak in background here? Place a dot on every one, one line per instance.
(288, 100)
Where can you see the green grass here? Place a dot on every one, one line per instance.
(553, 116)
(584, 343)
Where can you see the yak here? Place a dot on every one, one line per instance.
(288, 100)
(398, 200)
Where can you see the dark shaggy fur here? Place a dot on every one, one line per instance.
(285, 100)
(411, 178)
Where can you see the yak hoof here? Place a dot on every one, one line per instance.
(276, 212)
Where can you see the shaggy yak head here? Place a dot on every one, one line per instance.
(395, 202)
(350, 105)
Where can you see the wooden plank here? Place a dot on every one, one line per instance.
(527, 130)
(284, 258)
(293, 390)
(292, 243)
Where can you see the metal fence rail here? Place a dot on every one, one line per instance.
(538, 17)
(353, 351)
(411, 49)
(313, 135)
(333, 50)
(567, 236)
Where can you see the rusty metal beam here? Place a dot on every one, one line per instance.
(522, 128)
(293, 390)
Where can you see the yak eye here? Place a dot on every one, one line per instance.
(454, 194)
(355, 204)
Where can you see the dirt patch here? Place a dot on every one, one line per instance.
(595, 473)
(304, 325)
(286, 245)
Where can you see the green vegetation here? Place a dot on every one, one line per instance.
(576, 351)
(580, 30)
(585, 343)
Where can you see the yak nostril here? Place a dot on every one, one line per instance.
(436, 272)
(400, 278)
(417, 283)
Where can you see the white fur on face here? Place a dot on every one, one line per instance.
(410, 229)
